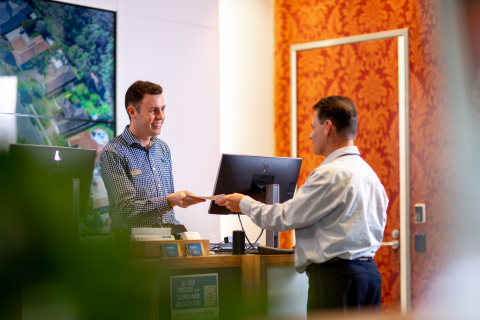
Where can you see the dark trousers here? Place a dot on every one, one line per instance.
(348, 285)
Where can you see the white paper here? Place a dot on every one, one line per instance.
(218, 196)
(191, 236)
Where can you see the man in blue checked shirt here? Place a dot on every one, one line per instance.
(136, 166)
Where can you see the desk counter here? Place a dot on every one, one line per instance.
(246, 276)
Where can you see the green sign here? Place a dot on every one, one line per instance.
(194, 296)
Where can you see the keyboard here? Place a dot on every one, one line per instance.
(270, 250)
(221, 250)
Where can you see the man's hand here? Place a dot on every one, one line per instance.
(182, 199)
(231, 201)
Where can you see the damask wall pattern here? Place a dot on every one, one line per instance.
(367, 72)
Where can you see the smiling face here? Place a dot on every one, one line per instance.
(146, 121)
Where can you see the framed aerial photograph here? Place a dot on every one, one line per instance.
(63, 57)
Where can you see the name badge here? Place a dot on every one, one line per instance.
(135, 172)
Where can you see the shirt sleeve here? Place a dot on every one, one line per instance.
(121, 192)
(318, 197)
(170, 218)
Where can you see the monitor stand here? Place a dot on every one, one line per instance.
(272, 197)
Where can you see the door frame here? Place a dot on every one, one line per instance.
(404, 141)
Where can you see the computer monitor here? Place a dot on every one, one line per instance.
(44, 167)
(250, 175)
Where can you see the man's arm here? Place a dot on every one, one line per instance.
(121, 193)
(313, 201)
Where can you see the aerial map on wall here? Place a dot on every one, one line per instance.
(64, 59)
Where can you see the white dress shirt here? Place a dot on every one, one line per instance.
(340, 211)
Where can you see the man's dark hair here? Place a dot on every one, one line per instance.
(136, 92)
(342, 112)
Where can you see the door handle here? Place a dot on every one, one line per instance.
(394, 244)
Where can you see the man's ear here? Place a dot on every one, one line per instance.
(328, 127)
(132, 112)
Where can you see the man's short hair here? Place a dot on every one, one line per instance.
(342, 112)
(138, 90)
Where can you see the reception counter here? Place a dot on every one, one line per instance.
(242, 281)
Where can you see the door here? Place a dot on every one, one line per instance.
(370, 69)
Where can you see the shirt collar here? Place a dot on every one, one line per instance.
(339, 152)
(131, 139)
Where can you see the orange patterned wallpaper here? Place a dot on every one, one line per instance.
(367, 73)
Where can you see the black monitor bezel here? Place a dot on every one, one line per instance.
(35, 159)
(254, 165)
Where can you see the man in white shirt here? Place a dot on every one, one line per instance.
(339, 215)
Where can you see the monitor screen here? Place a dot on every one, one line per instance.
(250, 175)
(42, 166)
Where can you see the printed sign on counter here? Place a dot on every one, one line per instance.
(194, 249)
(170, 250)
(194, 297)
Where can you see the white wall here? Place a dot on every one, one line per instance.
(175, 44)
(246, 87)
(8, 99)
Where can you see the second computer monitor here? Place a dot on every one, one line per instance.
(250, 175)
(45, 166)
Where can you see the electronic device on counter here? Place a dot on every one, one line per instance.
(151, 234)
(152, 237)
(51, 192)
(228, 248)
(176, 230)
(55, 165)
(270, 250)
(250, 175)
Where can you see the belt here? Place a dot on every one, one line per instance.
(337, 259)
(363, 259)
(334, 260)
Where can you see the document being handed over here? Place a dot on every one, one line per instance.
(218, 196)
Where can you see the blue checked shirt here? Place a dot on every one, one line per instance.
(137, 182)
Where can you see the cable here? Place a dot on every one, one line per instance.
(256, 241)
(251, 245)
(215, 245)
(238, 214)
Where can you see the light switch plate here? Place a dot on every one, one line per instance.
(420, 213)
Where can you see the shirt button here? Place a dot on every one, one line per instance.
(154, 169)
(159, 186)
